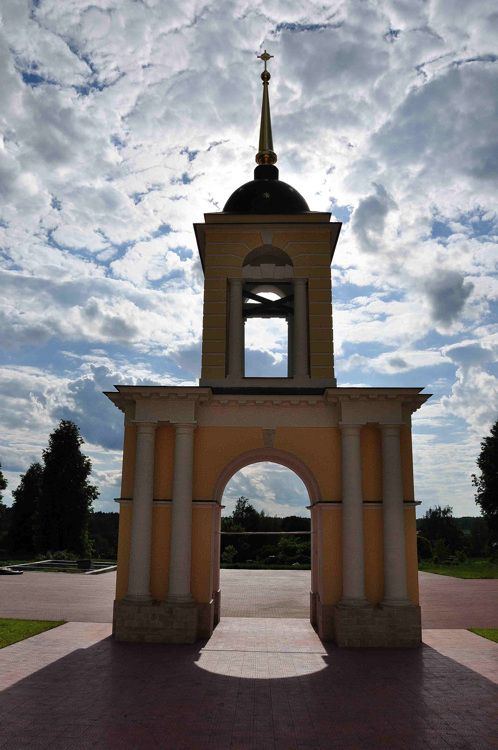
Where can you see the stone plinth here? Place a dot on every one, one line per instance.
(217, 607)
(324, 620)
(155, 622)
(206, 624)
(313, 607)
(378, 626)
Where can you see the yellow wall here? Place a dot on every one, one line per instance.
(214, 448)
(407, 464)
(128, 473)
(411, 554)
(320, 449)
(159, 563)
(374, 553)
(123, 550)
(224, 256)
(201, 554)
(332, 555)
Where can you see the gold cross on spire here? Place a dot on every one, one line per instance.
(265, 57)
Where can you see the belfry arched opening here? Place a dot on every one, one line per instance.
(350, 446)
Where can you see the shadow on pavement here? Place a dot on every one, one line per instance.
(117, 695)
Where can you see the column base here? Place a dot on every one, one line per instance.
(181, 599)
(138, 598)
(396, 603)
(350, 602)
(155, 622)
(377, 626)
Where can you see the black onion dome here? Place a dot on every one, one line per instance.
(266, 194)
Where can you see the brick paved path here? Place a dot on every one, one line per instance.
(258, 683)
(446, 602)
(457, 602)
(265, 593)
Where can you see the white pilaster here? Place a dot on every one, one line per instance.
(235, 331)
(181, 515)
(353, 575)
(395, 591)
(300, 337)
(141, 520)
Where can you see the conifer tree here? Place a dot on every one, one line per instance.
(487, 483)
(3, 486)
(66, 495)
(25, 509)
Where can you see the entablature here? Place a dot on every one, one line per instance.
(331, 407)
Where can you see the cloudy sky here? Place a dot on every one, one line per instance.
(122, 122)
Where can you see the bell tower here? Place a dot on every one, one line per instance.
(267, 240)
(350, 446)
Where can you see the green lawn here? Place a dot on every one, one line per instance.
(490, 633)
(470, 569)
(12, 631)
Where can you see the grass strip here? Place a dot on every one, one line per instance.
(12, 631)
(490, 633)
(471, 569)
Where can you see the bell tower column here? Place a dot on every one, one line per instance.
(300, 338)
(235, 331)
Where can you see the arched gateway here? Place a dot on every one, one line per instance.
(350, 446)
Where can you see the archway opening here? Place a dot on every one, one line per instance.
(266, 543)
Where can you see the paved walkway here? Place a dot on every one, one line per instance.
(257, 683)
(458, 602)
(446, 602)
(265, 593)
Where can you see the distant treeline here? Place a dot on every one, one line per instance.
(263, 550)
(442, 537)
(102, 536)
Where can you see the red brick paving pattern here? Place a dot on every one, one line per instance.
(446, 602)
(256, 684)
(458, 602)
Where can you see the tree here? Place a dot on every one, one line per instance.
(487, 483)
(3, 509)
(103, 533)
(438, 523)
(66, 496)
(24, 510)
(424, 548)
(3, 484)
(245, 515)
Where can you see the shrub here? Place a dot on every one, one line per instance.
(58, 555)
(440, 551)
(229, 555)
(424, 548)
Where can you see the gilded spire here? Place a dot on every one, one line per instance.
(265, 155)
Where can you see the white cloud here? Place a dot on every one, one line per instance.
(122, 123)
(269, 487)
